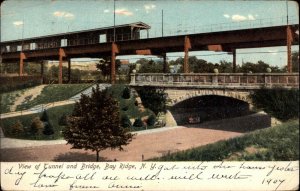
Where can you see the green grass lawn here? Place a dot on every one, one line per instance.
(132, 111)
(54, 114)
(280, 143)
(8, 99)
(53, 93)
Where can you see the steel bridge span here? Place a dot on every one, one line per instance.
(228, 41)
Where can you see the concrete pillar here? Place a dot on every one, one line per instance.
(114, 51)
(187, 46)
(42, 68)
(234, 61)
(289, 40)
(165, 65)
(69, 70)
(42, 71)
(22, 57)
(60, 73)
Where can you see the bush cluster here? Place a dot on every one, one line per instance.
(280, 103)
(9, 84)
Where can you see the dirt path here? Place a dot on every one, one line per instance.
(148, 145)
(31, 93)
(154, 144)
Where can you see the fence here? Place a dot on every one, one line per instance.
(217, 79)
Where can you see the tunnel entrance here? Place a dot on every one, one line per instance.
(208, 108)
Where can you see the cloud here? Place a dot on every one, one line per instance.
(63, 14)
(123, 12)
(69, 15)
(149, 7)
(226, 16)
(18, 23)
(251, 17)
(106, 11)
(273, 52)
(238, 18)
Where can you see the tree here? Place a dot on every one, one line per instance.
(225, 67)
(151, 120)
(125, 122)
(95, 124)
(48, 129)
(44, 116)
(105, 67)
(63, 120)
(295, 61)
(138, 123)
(280, 103)
(37, 126)
(17, 128)
(154, 99)
(150, 66)
(126, 93)
(259, 67)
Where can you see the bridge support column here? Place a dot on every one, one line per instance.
(69, 70)
(289, 39)
(60, 67)
(165, 65)
(22, 58)
(42, 70)
(234, 61)
(187, 46)
(114, 51)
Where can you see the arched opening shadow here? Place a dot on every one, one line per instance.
(208, 108)
(78, 157)
(239, 124)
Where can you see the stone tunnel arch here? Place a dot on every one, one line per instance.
(196, 109)
(178, 95)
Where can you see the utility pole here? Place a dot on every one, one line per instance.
(114, 20)
(162, 22)
(23, 25)
(289, 39)
(287, 12)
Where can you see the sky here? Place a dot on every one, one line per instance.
(31, 18)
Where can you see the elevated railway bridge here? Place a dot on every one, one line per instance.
(101, 43)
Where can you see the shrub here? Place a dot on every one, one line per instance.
(138, 123)
(63, 120)
(37, 126)
(153, 99)
(151, 120)
(125, 122)
(48, 129)
(125, 108)
(17, 129)
(126, 93)
(136, 103)
(44, 116)
(278, 102)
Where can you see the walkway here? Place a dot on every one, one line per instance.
(155, 143)
(20, 143)
(41, 107)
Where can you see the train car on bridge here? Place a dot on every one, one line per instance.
(99, 35)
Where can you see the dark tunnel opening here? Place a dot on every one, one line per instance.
(208, 108)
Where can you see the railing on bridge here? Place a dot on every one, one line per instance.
(247, 80)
